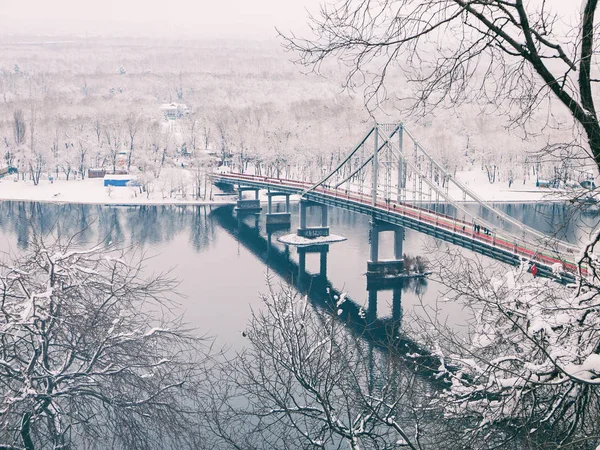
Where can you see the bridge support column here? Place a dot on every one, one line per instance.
(398, 243)
(312, 232)
(278, 219)
(390, 267)
(375, 168)
(250, 206)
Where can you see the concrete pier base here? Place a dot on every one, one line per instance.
(278, 218)
(273, 227)
(385, 267)
(312, 232)
(388, 268)
(246, 205)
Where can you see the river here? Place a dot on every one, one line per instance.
(221, 264)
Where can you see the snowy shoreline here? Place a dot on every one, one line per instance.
(93, 192)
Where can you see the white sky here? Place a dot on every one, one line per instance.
(176, 18)
(164, 18)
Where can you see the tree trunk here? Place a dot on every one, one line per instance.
(592, 130)
(26, 431)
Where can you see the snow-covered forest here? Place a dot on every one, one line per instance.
(68, 105)
(71, 105)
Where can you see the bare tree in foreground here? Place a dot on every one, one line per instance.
(533, 361)
(516, 55)
(90, 355)
(305, 381)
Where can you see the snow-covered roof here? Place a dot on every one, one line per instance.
(119, 177)
(173, 106)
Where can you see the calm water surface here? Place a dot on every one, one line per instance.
(223, 262)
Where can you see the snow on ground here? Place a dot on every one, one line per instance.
(93, 191)
(499, 191)
(300, 241)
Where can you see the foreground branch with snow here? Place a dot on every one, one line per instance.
(89, 353)
(531, 361)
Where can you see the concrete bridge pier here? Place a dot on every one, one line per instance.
(278, 219)
(312, 232)
(244, 205)
(387, 267)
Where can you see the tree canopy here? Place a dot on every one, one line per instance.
(515, 55)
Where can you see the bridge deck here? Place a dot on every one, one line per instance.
(503, 247)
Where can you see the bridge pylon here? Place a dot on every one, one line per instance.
(391, 169)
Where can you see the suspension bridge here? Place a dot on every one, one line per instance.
(391, 177)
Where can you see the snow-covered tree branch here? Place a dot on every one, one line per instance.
(89, 351)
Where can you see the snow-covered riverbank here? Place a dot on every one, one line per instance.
(500, 192)
(92, 191)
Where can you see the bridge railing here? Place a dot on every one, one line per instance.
(518, 246)
(491, 237)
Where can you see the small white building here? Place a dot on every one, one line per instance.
(174, 111)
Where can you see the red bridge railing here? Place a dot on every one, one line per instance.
(513, 244)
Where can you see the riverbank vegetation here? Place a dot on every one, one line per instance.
(62, 113)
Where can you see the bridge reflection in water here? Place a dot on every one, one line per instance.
(383, 333)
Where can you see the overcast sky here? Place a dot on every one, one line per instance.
(177, 18)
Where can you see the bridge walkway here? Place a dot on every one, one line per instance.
(500, 246)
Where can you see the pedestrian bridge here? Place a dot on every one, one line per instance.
(394, 186)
